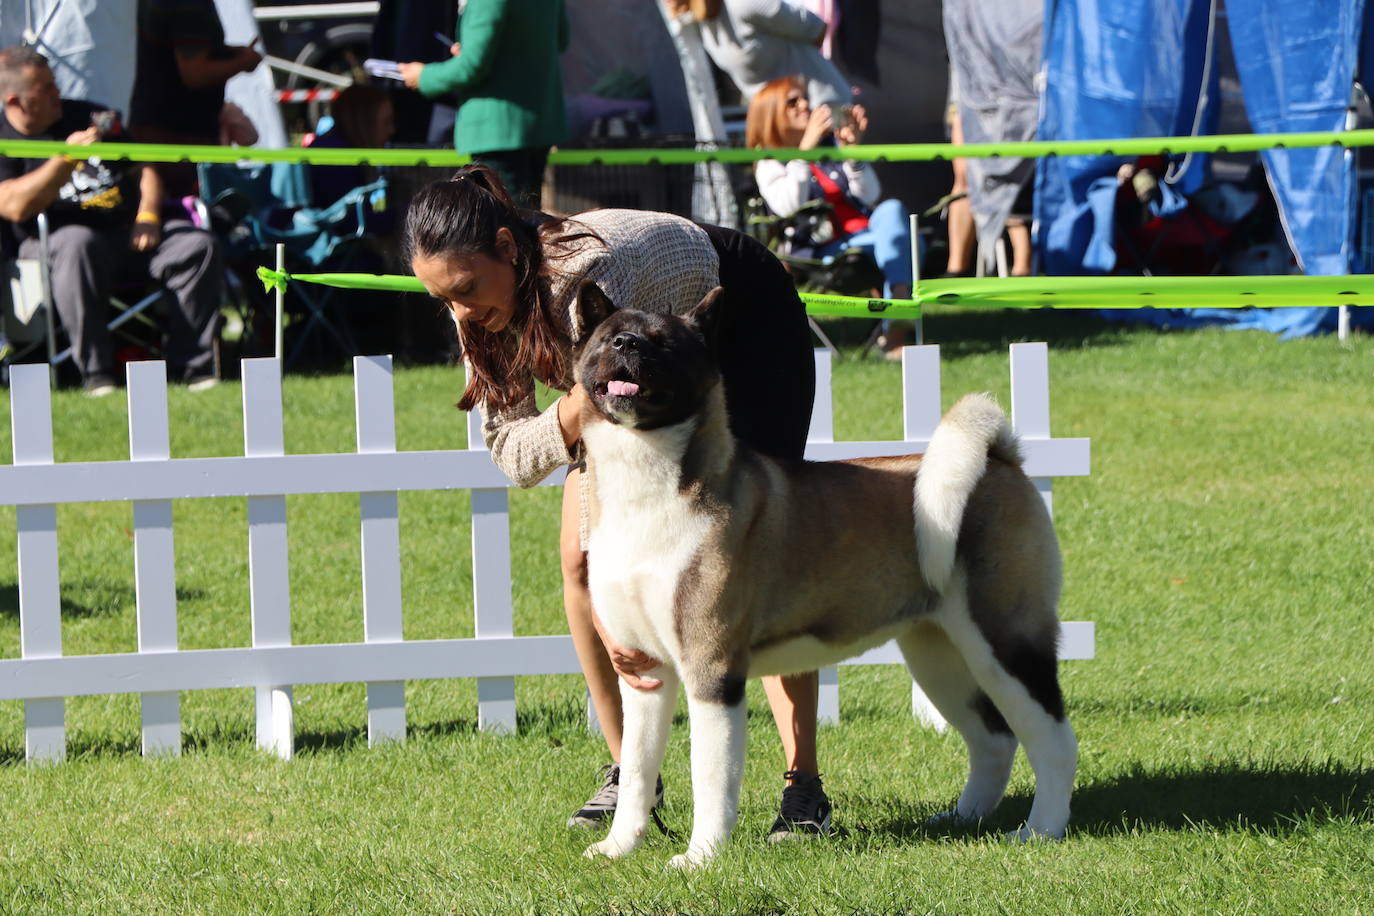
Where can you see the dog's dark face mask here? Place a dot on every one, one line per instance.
(643, 370)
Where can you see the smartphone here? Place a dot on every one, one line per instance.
(840, 115)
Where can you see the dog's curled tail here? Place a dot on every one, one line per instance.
(973, 429)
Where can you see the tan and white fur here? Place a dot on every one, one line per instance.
(726, 564)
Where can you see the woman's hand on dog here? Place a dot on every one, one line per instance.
(570, 414)
(628, 663)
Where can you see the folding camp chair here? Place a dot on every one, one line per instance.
(28, 323)
(851, 272)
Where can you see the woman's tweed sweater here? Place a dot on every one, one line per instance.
(654, 262)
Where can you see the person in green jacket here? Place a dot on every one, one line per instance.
(505, 71)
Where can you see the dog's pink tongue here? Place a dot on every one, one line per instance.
(622, 389)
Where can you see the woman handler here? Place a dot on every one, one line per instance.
(509, 278)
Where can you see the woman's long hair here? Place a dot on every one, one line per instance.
(462, 216)
(765, 122)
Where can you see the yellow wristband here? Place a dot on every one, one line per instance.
(148, 216)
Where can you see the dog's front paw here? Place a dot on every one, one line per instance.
(614, 846)
(597, 851)
(947, 820)
(1027, 835)
(606, 849)
(686, 862)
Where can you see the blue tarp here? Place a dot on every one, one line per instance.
(1120, 68)
(1114, 68)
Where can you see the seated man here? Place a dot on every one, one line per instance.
(97, 210)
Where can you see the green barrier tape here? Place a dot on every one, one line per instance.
(163, 152)
(816, 303)
(922, 152)
(1150, 292)
(277, 279)
(857, 307)
(1012, 292)
(897, 152)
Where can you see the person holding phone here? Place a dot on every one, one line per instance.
(99, 211)
(781, 116)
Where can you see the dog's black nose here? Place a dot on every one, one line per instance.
(625, 341)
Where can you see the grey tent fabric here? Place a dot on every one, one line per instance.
(91, 46)
(994, 52)
(89, 43)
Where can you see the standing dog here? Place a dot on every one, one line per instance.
(725, 564)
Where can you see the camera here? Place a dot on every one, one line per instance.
(105, 121)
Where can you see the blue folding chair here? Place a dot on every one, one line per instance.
(269, 204)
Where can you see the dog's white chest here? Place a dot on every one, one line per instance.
(646, 536)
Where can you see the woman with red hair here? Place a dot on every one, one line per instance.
(780, 116)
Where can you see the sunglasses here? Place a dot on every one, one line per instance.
(797, 100)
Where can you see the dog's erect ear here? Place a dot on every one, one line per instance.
(705, 316)
(593, 307)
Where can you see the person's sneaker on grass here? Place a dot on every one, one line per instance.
(600, 808)
(98, 386)
(805, 808)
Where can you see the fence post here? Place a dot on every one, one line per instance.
(155, 592)
(375, 407)
(268, 583)
(920, 416)
(1030, 402)
(40, 599)
(491, 589)
(822, 429)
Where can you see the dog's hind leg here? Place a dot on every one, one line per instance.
(1022, 682)
(940, 672)
(648, 718)
(718, 734)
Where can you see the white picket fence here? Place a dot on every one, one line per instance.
(42, 677)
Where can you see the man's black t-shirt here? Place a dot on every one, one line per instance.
(102, 195)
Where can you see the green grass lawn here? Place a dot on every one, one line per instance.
(1222, 545)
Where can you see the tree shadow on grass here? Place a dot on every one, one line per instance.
(1273, 800)
(98, 598)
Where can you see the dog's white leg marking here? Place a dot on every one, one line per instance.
(718, 733)
(1050, 744)
(648, 719)
(947, 682)
(1053, 754)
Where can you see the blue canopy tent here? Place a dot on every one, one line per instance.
(1120, 68)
